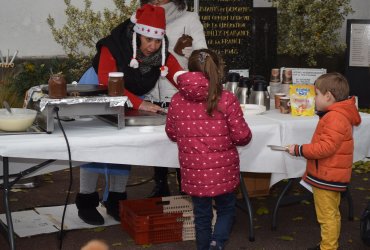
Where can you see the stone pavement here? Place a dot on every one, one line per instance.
(296, 226)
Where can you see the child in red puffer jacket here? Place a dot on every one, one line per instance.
(207, 123)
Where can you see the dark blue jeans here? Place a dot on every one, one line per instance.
(225, 207)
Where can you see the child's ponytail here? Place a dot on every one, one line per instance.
(208, 62)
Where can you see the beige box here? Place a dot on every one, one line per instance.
(257, 184)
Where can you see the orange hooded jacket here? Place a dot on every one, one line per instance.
(330, 153)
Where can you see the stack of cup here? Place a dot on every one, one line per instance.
(275, 83)
(277, 97)
(287, 81)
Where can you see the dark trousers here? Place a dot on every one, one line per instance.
(203, 214)
(160, 175)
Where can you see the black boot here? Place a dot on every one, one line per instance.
(112, 204)
(86, 205)
(161, 186)
(178, 177)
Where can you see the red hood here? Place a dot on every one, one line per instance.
(193, 86)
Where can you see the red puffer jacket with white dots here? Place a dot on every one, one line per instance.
(208, 156)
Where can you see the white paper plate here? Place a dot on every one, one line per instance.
(252, 109)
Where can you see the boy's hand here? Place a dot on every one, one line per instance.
(291, 149)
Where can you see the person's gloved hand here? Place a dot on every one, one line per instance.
(187, 51)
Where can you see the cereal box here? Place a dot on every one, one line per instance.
(302, 99)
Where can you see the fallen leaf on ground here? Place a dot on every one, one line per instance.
(98, 229)
(286, 237)
(16, 190)
(262, 210)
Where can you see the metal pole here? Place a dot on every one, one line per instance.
(196, 6)
(8, 214)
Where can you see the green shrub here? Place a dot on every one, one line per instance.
(85, 27)
(308, 28)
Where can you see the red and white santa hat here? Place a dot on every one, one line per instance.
(150, 21)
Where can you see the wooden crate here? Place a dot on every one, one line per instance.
(257, 184)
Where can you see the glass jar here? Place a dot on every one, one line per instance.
(57, 86)
(115, 84)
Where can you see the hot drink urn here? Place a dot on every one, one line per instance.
(232, 82)
(243, 91)
(260, 94)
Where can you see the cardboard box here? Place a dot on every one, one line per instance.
(257, 184)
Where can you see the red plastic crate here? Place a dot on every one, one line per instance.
(157, 220)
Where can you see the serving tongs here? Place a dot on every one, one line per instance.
(279, 148)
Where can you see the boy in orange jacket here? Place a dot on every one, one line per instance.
(330, 153)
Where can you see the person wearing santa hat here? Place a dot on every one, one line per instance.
(179, 23)
(136, 47)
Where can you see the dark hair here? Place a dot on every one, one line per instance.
(335, 83)
(180, 4)
(212, 66)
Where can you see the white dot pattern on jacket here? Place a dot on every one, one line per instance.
(208, 156)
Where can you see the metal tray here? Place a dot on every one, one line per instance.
(137, 118)
(278, 148)
(81, 89)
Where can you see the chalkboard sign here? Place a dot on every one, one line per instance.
(228, 30)
(358, 60)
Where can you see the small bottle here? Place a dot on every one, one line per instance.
(57, 86)
(115, 84)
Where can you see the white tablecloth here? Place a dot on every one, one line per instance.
(299, 130)
(92, 140)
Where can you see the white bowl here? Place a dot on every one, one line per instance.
(19, 120)
(252, 109)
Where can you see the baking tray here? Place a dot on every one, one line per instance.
(81, 89)
(137, 118)
(34, 129)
